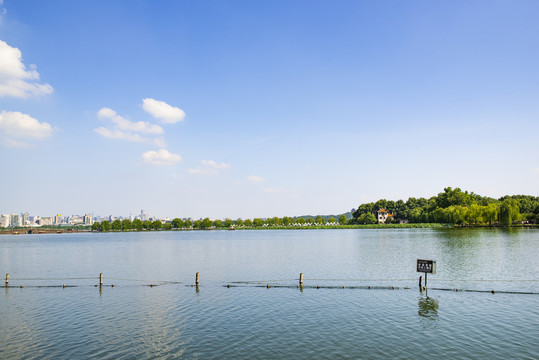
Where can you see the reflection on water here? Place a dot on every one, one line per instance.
(428, 307)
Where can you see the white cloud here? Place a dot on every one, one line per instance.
(209, 167)
(163, 111)
(160, 157)
(213, 164)
(124, 129)
(15, 79)
(14, 124)
(124, 124)
(255, 178)
(122, 135)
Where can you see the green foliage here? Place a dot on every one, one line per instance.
(157, 224)
(137, 224)
(258, 222)
(239, 222)
(105, 225)
(228, 223)
(177, 223)
(218, 223)
(95, 226)
(333, 220)
(188, 223)
(206, 223)
(116, 225)
(248, 222)
(343, 220)
(509, 212)
(167, 226)
(147, 224)
(127, 224)
(367, 219)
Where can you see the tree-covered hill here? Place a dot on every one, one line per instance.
(454, 206)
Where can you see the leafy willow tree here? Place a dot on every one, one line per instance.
(167, 226)
(239, 222)
(509, 212)
(258, 222)
(218, 223)
(332, 220)
(95, 226)
(342, 219)
(248, 222)
(188, 223)
(228, 223)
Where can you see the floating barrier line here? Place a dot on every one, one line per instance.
(45, 279)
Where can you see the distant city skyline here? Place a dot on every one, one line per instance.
(248, 109)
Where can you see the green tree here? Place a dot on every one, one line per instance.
(239, 222)
(218, 223)
(188, 223)
(508, 212)
(95, 226)
(105, 225)
(177, 223)
(137, 224)
(206, 223)
(228, 223)
(248, 222)
(197, 224)
(116, 225)
(367, 219)
(167, 226)
(258, 222)
(157, 224)
(300, 221)
(319, 220)
(127, 224)
(342, 219)
(332, 220)
(147, 224)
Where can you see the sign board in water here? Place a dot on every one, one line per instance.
(426, 266)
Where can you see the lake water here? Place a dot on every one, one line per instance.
(132, 320)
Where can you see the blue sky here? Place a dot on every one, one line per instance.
(263, 108)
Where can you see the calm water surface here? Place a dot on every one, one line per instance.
(248, 321)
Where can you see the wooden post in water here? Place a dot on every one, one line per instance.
(300, 279)
(197, 279)
(7, 279)
(100, 279)
(421, 283)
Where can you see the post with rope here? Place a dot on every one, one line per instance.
(100, 279)
(7, 279)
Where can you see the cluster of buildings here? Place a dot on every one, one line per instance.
(26, 220)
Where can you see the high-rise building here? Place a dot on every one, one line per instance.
(5, 220)
(58, 219)
(15, 220)
(143, 215)
(25, 219)
(88, 219)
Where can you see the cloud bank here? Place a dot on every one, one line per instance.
(15, 79)
(161, 110)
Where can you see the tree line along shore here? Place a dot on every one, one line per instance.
(450, 208)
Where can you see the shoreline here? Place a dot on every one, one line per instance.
(39, 231)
